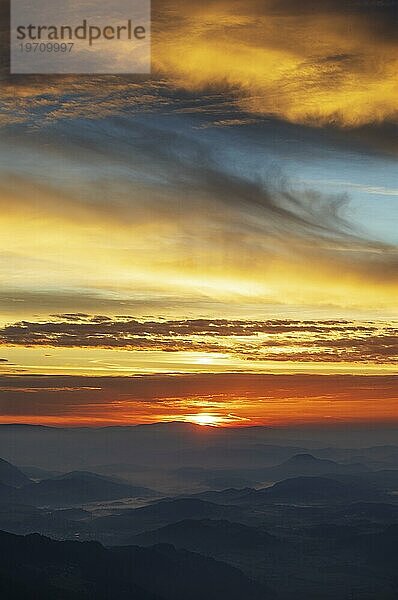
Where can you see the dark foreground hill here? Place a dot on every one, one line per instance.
(34, 567)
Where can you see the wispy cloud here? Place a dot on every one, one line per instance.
(187, 220)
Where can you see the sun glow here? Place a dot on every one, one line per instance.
(206, 419)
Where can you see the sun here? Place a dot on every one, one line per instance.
(205, 419)
(205, 360)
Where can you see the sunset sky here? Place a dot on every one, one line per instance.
(219, 238)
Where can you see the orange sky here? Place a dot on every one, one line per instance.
(221, 399)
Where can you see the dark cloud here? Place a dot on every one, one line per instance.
(272, 340)
(382, 137)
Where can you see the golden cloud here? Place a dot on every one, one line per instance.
(319, 63)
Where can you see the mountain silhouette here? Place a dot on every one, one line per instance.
(313, 490)
(11, 475)
(18, 518)
(217, 538)
(162, 513)
(78, 488)
(306, 464)
(35, 567)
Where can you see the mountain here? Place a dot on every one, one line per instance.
(162, 513)
(220, 539)
(305, 464)
(34, 567)
(328, 490)
(10, 475)
(177, 445)
(251, 549)
(18, 518)
(79, 488)
(93, 478)
(233, 457)
(308, 490)
(302, 464)
(36, 473)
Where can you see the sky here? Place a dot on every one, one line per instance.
(233, 218)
